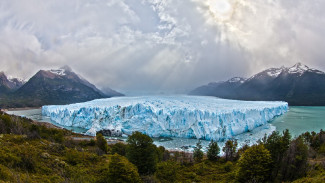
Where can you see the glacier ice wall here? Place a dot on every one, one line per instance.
(168, 116)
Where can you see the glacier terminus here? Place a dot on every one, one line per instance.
(199, 117)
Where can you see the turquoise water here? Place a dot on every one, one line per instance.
(301, 119)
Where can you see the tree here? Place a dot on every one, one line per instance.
(295, 160)
(101, 142)
(315, 139)
(121, 170)
(213, 151)
(167, 171)
(161, 153)
(230, 149)
(241, 151)
(277, 145)
(254, 165)
(119, 148)
(198, 154)
(142, 153)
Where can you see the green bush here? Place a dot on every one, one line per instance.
(5, 174)
(120, 170)
(167, 171)
(228, 166)
(119, 148)
(27, 162)
(73, 157)
(101, 142)
(255, 164)
(7, 157)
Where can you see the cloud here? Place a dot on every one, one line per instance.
(159, 45)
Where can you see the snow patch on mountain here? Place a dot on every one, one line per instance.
(60, 72)
(236, 79)
(14, 79)
(298, 68)
(168, 116)
(275, 72)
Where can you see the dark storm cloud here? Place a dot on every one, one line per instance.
(159, 45)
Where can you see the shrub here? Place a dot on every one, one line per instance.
(101, 142)
(254, 165)
(121, 170)
(5, 174)
(228, 166)
(167, 171)
(119, 148)
(73, 157)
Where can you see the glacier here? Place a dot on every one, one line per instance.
(199, 117)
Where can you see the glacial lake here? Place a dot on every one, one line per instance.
(298, 120)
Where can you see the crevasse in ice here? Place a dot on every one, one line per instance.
(168, 116)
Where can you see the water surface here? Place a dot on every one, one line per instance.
(301, 119)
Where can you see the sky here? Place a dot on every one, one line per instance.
(159, 46)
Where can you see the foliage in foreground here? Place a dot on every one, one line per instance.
(142, 152)
(121, 170)
(213, 151)
(254, 165)
(31, 152)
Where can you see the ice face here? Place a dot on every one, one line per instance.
(168, 116)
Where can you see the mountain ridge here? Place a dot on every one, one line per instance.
(298, 85)
(55, 86)
(9, 84)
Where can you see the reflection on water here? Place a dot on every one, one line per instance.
(297, 120)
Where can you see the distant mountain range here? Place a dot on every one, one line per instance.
(297, 85)
(60, 86)
(9, 84)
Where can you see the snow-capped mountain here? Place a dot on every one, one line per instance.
(297, 85)
(9, 84)
(298, 69)
(55, 86)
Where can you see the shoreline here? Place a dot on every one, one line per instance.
(78, 136)
(21, 109)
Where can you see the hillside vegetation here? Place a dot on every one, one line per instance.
(31, 152)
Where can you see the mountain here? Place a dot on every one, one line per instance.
(8, 85)
(223, 89)
(56, 86)
(297, 85)
(110, 92)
